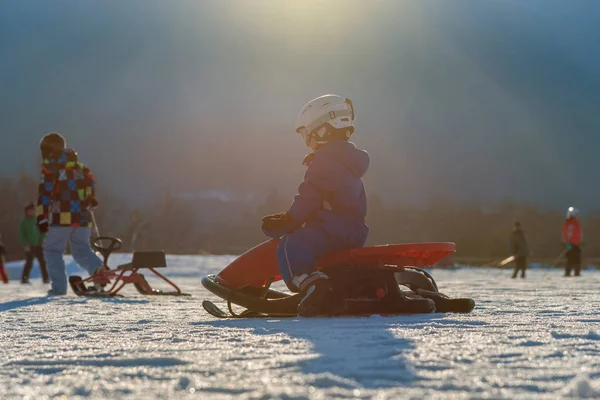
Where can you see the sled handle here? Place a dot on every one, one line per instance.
(114, 244)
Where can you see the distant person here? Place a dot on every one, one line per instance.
(31, 239)
(3, 274)
(519, 249)
(572, 237)
(66, 196)
(328, 213)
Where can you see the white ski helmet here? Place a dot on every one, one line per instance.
(572, 212)
(330, 109)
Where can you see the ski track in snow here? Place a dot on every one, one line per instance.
(537, 338)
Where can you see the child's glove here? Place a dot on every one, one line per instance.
(568, 246)
(93, 203)
(279, 224)
(273, 216)
(275, 221)
(42, 224)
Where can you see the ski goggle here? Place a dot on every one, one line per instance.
(314, 134)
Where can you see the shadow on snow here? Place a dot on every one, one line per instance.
(362, 351)
(67, 300)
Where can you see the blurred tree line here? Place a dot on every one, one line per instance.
(178, 225)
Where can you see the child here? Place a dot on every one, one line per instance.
(572, 236)
(31, 239)
(3, 274)
(66, 196)
(328, 213)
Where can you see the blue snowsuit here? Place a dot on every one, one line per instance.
(332, 204)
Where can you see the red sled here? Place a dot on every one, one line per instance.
(110, 282)
(366, 281)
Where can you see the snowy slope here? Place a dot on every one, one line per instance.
(532, 339)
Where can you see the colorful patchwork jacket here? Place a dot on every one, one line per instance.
(66, 191)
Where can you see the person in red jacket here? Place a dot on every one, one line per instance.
(572, 237)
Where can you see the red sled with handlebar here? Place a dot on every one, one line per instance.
(109, 282)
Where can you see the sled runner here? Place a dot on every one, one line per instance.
(365, 281)
(99, 284)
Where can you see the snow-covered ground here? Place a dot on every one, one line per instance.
(537, 338)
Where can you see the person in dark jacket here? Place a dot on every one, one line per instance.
(31, 239)
(519, 249)
(3, 274)
(328, 213)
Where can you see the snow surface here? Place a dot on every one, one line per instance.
(537, 338)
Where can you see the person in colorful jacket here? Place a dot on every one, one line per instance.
(66, 197)
(572, 237)
(3, 274)
(328, 213)
(31, 239)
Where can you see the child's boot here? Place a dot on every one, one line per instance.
(316, 290)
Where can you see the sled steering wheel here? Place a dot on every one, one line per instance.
(113, 245)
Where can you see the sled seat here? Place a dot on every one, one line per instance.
(145, 259)
(410, 254)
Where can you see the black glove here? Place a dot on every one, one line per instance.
(273, 217)
(42, 223)
(279, 222)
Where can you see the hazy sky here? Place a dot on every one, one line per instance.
(474, 100)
